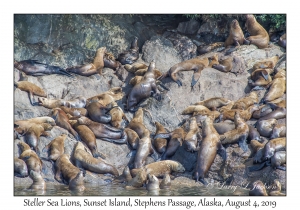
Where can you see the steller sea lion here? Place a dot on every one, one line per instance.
(253, 134)
(153, 183)
(25, 124)
(133, 138)
(238, 135)
(278, 113)
(207, 48)
(78, 102)
(225, 64)
(32, 89)
(245, 114)
(77, 183)
(110, 61)
(38, 181)
(223, 127)
(265, 127)
(113, 94)
(144, 89)
(276, 89)
(62, 120)
(268, 63)
(20, 168)
(166, 182)
(273, 146)
(278, 131)
(209, 147)
(104, 132)
(131, 55)
(281, 73)
(160, 144)
(56, 147)
(192, 137)
(264, 109)
(74, 111)
(125, 175)
(213, 103)
(35, 68)
(258, 35)
(278, 159)
(245, 102)
(260, 77)
(135, 67)
(137, 123)
(196, 110)
(196, 64)
(97, 112)
(31, 159)
(213, 60)
(275, 189)
(117, 116)
(282, 41)
(90, 68)
(86, 161)
(236, 35)
(257, 188)
(51, 103)
(257, 150)
(138, 180)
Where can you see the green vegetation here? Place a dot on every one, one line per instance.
(276, 21)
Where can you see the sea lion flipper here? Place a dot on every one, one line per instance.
(257, 167)
(202, 180)
(162, 85)
(32, 101)
(242, 143)
(283, 168)
(222, 151)
(131, 153)
(196, 77)
(265, 75)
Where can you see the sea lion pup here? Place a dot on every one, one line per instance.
(74, 111)
(260, 77)
(213, 103)
(88, 137)
(258, 35)
(66, 172)
(275, 189)
(32, 89)
(225, 64)
(166, 182)
(209, 147)
(236, 35)
(238, 135)
(31, 159)
(104, 132)
(196, 64)
(131, 55)
(278, 131)
(192, 137)
(223, 127)
(117, 116)
(62, 120)
(35, 68)
(78, 102)
(253, 133)
(153, 182)
(257, 188)
(160, 144)
(245, 102)
(83, 159)
(133, 138)
(160, 168)
(245, 114)
(143, 90)
(90, 68)
(113, 94)
(97, 112)
(196, 110)
(20, 168)
(265, 127)
(278, 159)
(56, 147)
(38, 181)
(33, 134)
(207, 48)
(273, 146)
(276, 89)
(282, 41)
(110, 61)
(268, 63)
(176, 139)
(51, 103)
(213, 60)
(138, 180)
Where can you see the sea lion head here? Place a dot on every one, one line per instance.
(79, 145)
(151, 66)
(235, 24)
(83, 120)
(23, 146)
(179, 167)
(77, 184)
(134, 44)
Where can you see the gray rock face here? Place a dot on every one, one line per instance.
(189, 27)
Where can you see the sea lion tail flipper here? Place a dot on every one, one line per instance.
(257, 167)
(178, 81)
(32, 101)
(132, 153)
(265, 75)
(230, 50)
(222, 151)
(283, 168)
(196, 77)
(163, 136)
(242, 143)
(59, 70)
(162, 85)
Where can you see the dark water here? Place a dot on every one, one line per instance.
(119, 190)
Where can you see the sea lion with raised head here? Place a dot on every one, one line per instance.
(192, 137)
(258, 35)
(90, 68)
(38, 181)
(98, 112)
(86, 161)
(35, 68)
(153, 182)
(209, 147)
(131, 55)
(56, 147)
(20, 168)
(32, 89)
(160, 144)
(31, 159)
(236, 35)
(195, 64)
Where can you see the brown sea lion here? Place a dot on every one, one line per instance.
(62, 120)
(273, 146)
(245, 114)
(74, 111)
(160, 168)
(77, 183)
(278, 131)
(257, 188)
(135, 67)
(238, 135)
(88, 137)
(209, 147)
(257, 150)
(32, 89)
(268, 63)
(33, 134)
(223, 127)
(265, 127)
(90, 68)
(25, 124)
(144, 89)
(97, 112)
(78, 102)
(31, 159)
(153, 182)
(86, 161)
(245, 102)
(113, 94)
(278, 113)
(282, 41)
(131, 55)
(135, 80)
(142, 72)
(38, 181)
(236, 35)
(207, 48)
(227, 107)
(281, 73)
(263, 110)
(213, 60)
(278, 159)
(260, 77)
(192, 137)
(104, 132)
(138, 181)
(166, 182)
(126, 174)
(196, 64)
(51, 103)
(133, 138)
(160, 144)
(35, 68)
(258, 35)
(110, 61)
(213, 103)
(196, 110)
(225, 64)
(117, 116)
(137, 123)
(20, 168)
(276, 189)
(253, 133)
(276, 89)
(56, 147)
